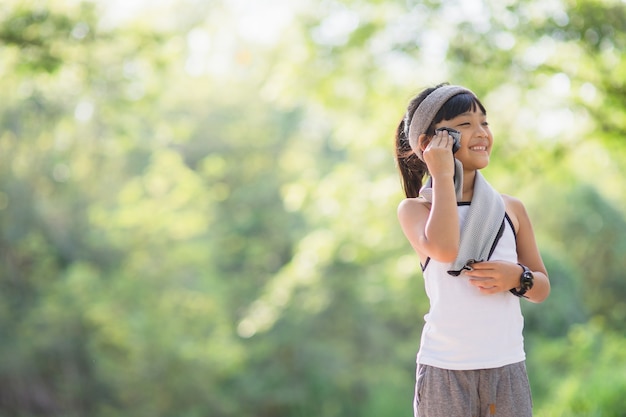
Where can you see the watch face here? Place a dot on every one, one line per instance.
(527, 280)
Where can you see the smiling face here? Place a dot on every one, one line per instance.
(465, 113)
(476, 137)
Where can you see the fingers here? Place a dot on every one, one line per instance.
(483, 265)
(437, 154)
(484, 276)
(491, 277)
(441, 139)
(487, 286)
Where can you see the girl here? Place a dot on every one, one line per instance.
(478, 256)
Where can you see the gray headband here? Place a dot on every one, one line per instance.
(427, 110)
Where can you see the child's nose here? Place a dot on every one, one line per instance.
(482, 131)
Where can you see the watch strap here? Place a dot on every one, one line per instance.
(520, 293)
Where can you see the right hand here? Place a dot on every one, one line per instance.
(438, 154)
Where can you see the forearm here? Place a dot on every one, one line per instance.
(442, 230)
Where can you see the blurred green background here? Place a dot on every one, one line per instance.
(197, 200)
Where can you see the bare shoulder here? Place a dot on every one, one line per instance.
(512, 202)
(412, 215)
(412, 206)
(413, 212)
(515, 209)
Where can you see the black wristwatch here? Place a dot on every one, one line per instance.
(526, 281)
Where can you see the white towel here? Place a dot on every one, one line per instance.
(484, 224)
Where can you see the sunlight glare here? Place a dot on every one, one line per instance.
(336, 28)
(262, 22)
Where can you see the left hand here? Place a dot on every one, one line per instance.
(492, 277)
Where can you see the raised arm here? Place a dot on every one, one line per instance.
(433, 228)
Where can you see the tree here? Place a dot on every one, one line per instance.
(197, 213)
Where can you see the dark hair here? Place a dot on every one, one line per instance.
(412, 169)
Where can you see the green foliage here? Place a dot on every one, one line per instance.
(197, 219)
(39, 33)
(581, 374)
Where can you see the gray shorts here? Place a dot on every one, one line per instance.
(500, 392)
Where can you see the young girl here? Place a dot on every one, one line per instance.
(478, 256)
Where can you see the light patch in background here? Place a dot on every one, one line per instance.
(84, 111)
(336, 28)
(538, 53)
(555, 123)
(406, 266)
(293, 196)
(472, 11)
(199, 45)
(588, 92)
(434, 46)
(401, 67)
(259, 23)
(262, 22)
(118, 12)
(559, 85)
(505, 41)
(80, 30)
(557, 120)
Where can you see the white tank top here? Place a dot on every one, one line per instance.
(465, 329)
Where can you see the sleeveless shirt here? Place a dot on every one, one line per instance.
(465, 329)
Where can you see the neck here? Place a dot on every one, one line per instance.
(468, 184)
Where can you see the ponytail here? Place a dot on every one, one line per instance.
(412, 169)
